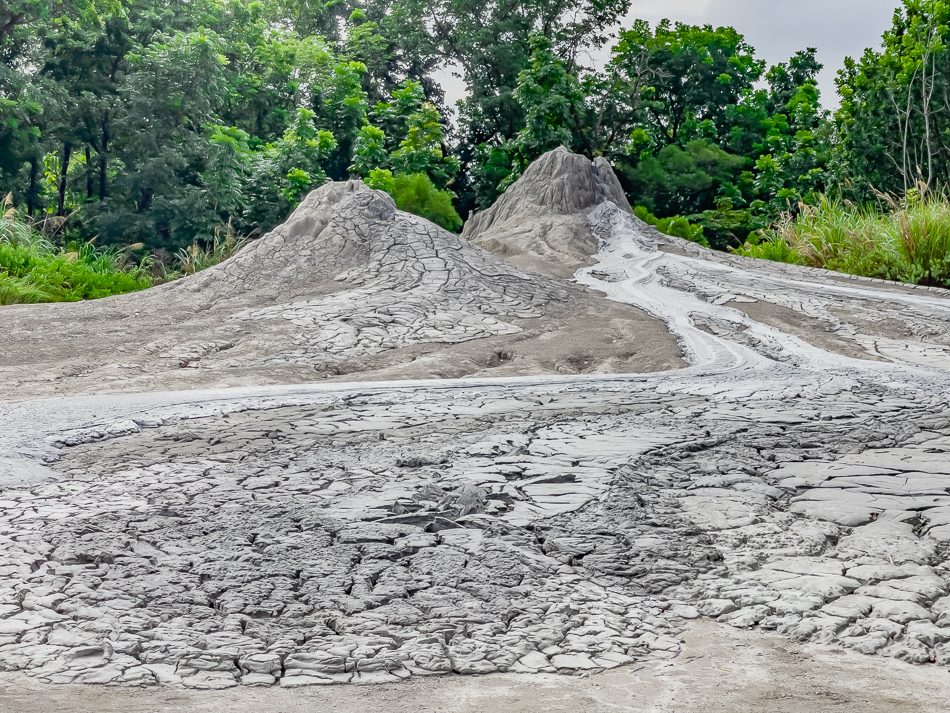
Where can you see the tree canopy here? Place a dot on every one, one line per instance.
(156, 122)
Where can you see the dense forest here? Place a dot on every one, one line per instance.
(160, 126)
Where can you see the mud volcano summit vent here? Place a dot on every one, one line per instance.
(349, 284)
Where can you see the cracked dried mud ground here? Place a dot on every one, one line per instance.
(719, 671)
(765, 528)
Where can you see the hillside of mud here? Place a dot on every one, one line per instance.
(349, 288)
(779, 466)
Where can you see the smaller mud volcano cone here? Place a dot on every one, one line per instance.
(540, 222)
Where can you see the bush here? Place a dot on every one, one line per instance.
(416, 193)
(32, 269)
(729, 227)
(910, 242)
(676, 226)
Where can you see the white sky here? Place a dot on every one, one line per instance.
(775, 28)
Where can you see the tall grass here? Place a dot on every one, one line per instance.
(33, 269)
(198, 257)
(906, 241)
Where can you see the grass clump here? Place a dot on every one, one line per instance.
(197, 257)
(907, 242)
(33, 269)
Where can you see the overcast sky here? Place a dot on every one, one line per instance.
(776, 28)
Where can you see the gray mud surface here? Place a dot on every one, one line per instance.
(759, 522)
(721, 670)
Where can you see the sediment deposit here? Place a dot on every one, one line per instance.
(552, 516)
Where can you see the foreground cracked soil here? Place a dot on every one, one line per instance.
(794, 478)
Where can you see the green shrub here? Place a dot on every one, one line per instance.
(34, 270)
(17, 290)
(728, 226)
(910, 242)
(416, 193)
(677, 226)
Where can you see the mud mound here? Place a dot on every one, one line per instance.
(359, 277)
(541, 221)
(348, 284)
(346, 235)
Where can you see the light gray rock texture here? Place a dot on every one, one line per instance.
(793, 477)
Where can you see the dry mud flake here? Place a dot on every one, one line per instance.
(791, 479)
(720, 670)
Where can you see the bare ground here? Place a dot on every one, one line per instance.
(734, 312)
(120, 355)
(720, 669)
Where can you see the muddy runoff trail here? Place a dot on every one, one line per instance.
(370, 533)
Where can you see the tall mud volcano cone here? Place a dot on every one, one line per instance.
(346, 236)
(351, 276)
(540, 222)
(348, 285)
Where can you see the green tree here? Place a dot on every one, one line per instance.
(393, 115)
(341, 107)
(408, 138)
(21, 106)
(683, 181)
(416, 193)
(553, 105)
(162, 143)
(290, 167)
(422, 149)
(702, 139)
(694, 76)
(369, 151)
(892, 126)
(552, 102)
(489, 43)
(270, 72)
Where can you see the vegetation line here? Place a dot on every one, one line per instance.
(908, 243)
(179, 127)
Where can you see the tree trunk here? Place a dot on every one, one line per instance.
(10, 24)
(928, 95)
(67, 154)
(144, 200)
(88, 175)
(31, 192)
(103, 157)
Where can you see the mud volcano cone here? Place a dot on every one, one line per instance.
(349, 284)
(541, 221)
